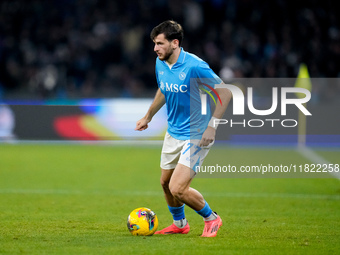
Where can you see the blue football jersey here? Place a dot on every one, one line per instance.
(181, 85)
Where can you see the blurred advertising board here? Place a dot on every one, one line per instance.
(95, 119)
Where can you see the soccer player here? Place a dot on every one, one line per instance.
(190, 133)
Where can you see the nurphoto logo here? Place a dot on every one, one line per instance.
(239, 105)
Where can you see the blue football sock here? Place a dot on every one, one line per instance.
(205, 212)
(177, 212)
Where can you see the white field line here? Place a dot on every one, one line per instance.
(315, 158)
(159, 193)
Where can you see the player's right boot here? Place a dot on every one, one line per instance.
(173, 229)
(211, 227)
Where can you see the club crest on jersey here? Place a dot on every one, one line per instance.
(182, 76)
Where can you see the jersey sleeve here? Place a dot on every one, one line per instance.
(156, 73)
(206, 75)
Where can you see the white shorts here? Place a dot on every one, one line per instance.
(186, 152)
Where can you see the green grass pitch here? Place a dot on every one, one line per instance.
(75, 199)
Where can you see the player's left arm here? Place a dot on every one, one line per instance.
(210, 133)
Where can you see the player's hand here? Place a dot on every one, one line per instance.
(142, 124)
(208, 137)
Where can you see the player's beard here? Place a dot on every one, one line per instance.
(167, 54)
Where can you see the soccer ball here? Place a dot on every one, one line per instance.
(142, 222)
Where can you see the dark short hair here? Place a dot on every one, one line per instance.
(171, 30)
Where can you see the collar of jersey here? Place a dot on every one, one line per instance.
(180, 59)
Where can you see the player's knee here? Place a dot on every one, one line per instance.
(164, 183)
(177, 192)
(165, 178)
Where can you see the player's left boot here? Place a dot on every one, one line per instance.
(211, 227)
(173, 229)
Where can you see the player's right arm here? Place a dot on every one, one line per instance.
(157, 104)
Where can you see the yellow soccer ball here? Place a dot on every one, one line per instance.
(142, 222)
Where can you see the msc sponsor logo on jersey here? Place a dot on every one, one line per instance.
(173, 87)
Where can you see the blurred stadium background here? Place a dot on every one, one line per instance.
(65, 52)
(100, 48)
